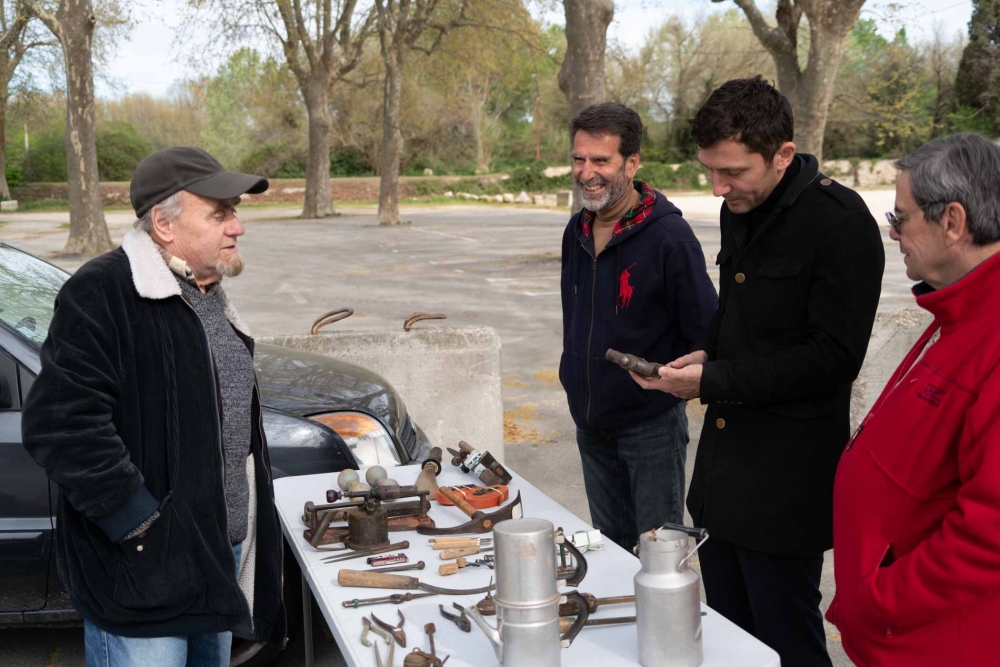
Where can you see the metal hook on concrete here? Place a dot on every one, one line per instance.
(329, 318)
(416, 317)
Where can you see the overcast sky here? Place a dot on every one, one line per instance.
(147, 62)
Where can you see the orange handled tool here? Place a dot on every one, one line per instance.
(477, 496)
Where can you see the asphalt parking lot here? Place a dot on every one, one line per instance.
(495, 266)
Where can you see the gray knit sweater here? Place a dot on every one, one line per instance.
(235, 372)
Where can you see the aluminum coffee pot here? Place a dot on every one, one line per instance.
(527, 596)
(667, 602)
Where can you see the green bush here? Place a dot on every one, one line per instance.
(14, 173)
(120, 148)
(349, 161)
(45, 162)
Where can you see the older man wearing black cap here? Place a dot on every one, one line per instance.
(146, 415)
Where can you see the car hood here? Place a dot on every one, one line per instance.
(303, 383)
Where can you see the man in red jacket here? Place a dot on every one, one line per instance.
(917, 494)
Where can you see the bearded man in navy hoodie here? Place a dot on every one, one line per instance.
(633, 279)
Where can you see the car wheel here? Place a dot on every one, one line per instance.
(248, 653)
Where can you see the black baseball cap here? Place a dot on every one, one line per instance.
(187, 168)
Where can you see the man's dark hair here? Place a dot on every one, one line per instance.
(611, 118)
(750, 111)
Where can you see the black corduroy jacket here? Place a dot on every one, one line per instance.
(796, 307)
(124, 416)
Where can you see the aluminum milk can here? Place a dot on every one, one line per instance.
(667, 603)
(527, 594)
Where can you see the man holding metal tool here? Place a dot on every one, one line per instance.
(146, 415)
(800, 272)
(633, 279)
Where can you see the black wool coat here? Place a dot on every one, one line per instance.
(124, 417)
(796, 308)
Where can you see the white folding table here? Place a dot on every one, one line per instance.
(609, 573)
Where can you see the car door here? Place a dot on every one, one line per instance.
(25, 518)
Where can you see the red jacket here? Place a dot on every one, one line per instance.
(916, 510)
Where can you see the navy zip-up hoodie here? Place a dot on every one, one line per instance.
(648, 293)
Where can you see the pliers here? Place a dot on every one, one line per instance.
(397, 631)
(462, 621)
(368, 627)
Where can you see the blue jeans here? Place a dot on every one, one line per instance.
(634, 475)
(104, 649)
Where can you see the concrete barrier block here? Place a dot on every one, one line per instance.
(8, 206)
(564, 198)
(449, 378)
(894, 334)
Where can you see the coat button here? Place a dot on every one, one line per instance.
(825, 181)
(139, 548)
(720, 423)
(741, 278)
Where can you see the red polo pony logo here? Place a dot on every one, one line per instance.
(624, 289)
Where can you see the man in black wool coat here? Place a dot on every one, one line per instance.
(800, 272)
(146, 415)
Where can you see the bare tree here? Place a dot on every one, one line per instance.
(401, 26)
(810, 90)
(73, 23)
(13, 24)
(321, 41)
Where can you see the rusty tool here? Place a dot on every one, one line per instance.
(399, 582)
(395, 598)
(438, 543)
(367, 552)
(429, 470)
(368, 627)
(396, 630)
(418, 658)
(565, 623)
(330, 317)
(448, 554)
(482, 464)
(413, 318)
(480, 497)
(480, 522)
(452, 568)
(637, 365)
(487, 606)
(419, 565)
(461, 620)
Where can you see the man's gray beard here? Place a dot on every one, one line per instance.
(614, 191)
(231, 268)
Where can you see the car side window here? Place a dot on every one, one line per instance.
(10, 395)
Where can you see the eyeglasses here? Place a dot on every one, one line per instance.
(896, 221)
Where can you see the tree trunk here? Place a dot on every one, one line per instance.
(4, 187)
(319, 200)
(477, 102)
(392, 140)
(581, 77)
(73, 25)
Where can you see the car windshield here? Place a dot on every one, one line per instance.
(28, 288)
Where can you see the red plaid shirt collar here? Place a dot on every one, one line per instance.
(635, 217)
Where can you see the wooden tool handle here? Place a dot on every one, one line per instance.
(457, 500)
(448, 554)
(453, 542)
(451, 568)
(365, 579)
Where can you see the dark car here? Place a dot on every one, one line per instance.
(320, 415)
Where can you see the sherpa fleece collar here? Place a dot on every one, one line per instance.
(153, 279)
